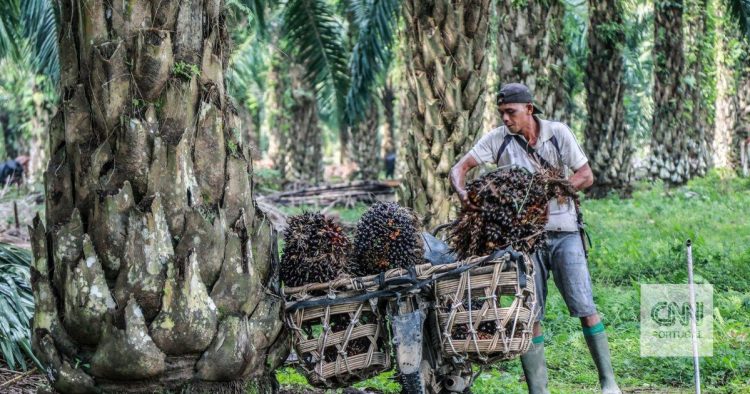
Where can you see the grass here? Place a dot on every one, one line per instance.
(637, 241)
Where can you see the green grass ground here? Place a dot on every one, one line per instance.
(637, 241)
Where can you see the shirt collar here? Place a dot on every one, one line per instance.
(545, 132)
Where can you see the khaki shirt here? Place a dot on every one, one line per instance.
(562, 217)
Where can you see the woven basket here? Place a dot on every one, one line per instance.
(338, 344)
(486, 313)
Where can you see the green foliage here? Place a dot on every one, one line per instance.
(637, 55)
(267, 179)
(28, 30)
(642, 238)
(16, 306)
(315, 36)
(185, 71)
(575, 32)
(25, 98)
(376, 22)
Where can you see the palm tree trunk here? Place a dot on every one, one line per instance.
(531, 50)
(304, 143)
(726, 100)
(742, 122)
(276, 120)
(446, 43)
(389, 120)
(152, 267)
(699, 109)
(608, 141)
(365, 145)
(669, 137)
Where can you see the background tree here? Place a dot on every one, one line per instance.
(152, 269)
(531, 50)
(303, 150)
(446, 67)
(669, 136)
(607, 139)
(700, 83)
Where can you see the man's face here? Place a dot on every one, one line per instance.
(516, 116)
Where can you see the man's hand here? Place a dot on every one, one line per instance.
(582, 178)
(465, 202)
(458, 173)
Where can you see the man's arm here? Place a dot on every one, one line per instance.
(582, 178)
(458, 179)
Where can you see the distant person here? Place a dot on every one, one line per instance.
(529, 142)
(12, 170)
(390, 164)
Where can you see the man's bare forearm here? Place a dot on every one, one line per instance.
(583, 178)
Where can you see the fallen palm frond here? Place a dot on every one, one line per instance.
(16, 306)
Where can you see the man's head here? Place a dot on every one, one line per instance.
(516, 106)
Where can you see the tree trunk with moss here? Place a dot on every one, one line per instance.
(365, 145)
(700, 86)
(726, 105)
(669, 136)
(446, 44)
(388, 140)
(608, 141)
(742, 102)
(276, 121)
(531, 50)
(153, 268)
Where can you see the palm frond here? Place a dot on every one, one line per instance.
(739, 10)
(30, 25)
(16, 306)
(40, 27)
(255, 9)
(315, 37)
(376, 21)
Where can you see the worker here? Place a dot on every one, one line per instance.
(530, 142)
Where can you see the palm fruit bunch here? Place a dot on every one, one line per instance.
(315, 250)
(485, 330)
(387, 236)
(512, 211)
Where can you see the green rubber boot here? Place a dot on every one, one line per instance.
(600, 353)
(535, 368)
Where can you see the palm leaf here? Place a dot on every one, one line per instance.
(256, 9)
(316, 39)
(40, 27)
(30, 25)
(739, 10)
(16, 306)
(376, 22)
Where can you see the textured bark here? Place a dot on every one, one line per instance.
(531, 50)
(699, 111)
(742, 99)
(670, 138)
(726, 101)
(304, 143)
(276, 120)
(149, 205)
(365, 145)
(389, 120)
(608, 141)
(446, 68)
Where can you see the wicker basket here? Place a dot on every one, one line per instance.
(340, 343)
(486, 313)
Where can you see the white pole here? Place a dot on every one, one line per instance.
(693, 323)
